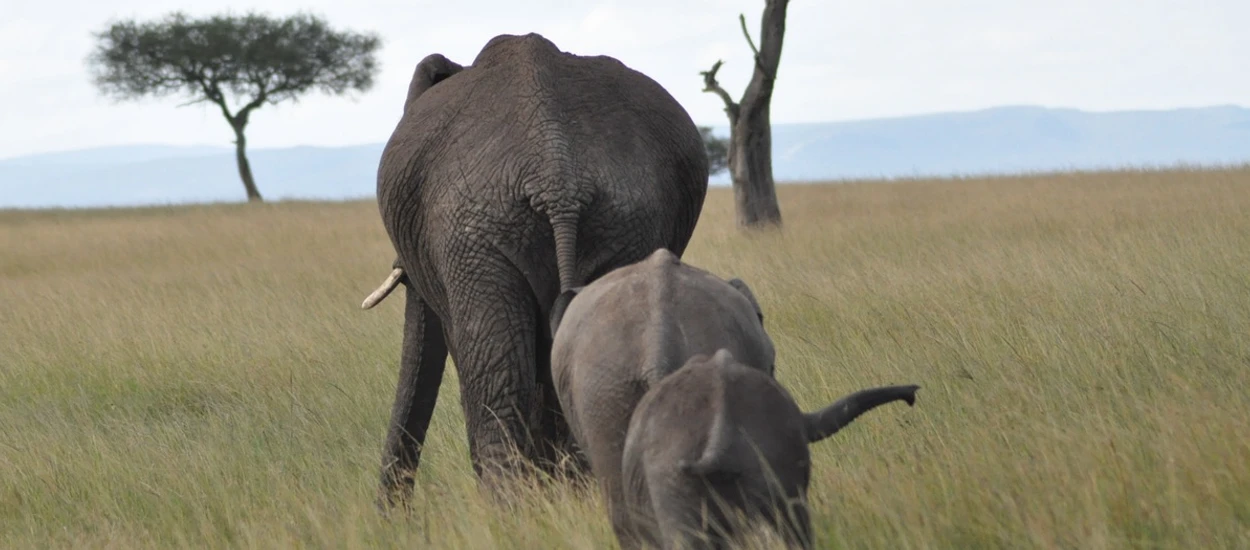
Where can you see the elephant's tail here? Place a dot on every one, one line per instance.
(717, 456)
(564, 228)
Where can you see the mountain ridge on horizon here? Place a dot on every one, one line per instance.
(719, 128)
(995, 140)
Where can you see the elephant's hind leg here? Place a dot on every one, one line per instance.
(495, 337)
(422, 361)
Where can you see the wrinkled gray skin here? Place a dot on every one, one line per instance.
(504, 183)
(719, 439)
(622, 333)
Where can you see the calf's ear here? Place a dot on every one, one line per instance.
(746, 291)
(560, 305)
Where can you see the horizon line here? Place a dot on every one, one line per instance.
(999, 107)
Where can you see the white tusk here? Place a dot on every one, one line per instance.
(385, 288)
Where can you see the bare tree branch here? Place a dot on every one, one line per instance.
(755, 52)
(200, 99)
(245, 112)
(772, 31)
(711, 85)
(213, 93)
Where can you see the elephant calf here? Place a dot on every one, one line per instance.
(717, 438)
(624, 332)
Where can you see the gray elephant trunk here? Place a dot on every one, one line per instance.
(829, 420)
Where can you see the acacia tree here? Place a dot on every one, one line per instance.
(750, 130)
(253, 58)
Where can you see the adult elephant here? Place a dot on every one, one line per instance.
(525, 174)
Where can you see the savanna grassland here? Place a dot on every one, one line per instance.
(204, 376)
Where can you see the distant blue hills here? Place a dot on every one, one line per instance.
(1000, 140)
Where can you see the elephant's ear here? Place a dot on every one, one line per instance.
(561, 304)
(430, 71)
(746, 291)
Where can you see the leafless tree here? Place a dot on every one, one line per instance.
(750, 141)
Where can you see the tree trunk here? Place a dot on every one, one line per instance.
(245, 169)
(751, 168)
(750, 128)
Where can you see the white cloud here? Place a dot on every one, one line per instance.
(840, 61)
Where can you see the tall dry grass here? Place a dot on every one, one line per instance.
(204, 377)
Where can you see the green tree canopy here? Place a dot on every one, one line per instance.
(254, 59)
(717, 150)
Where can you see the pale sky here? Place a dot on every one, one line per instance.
(841, 60)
